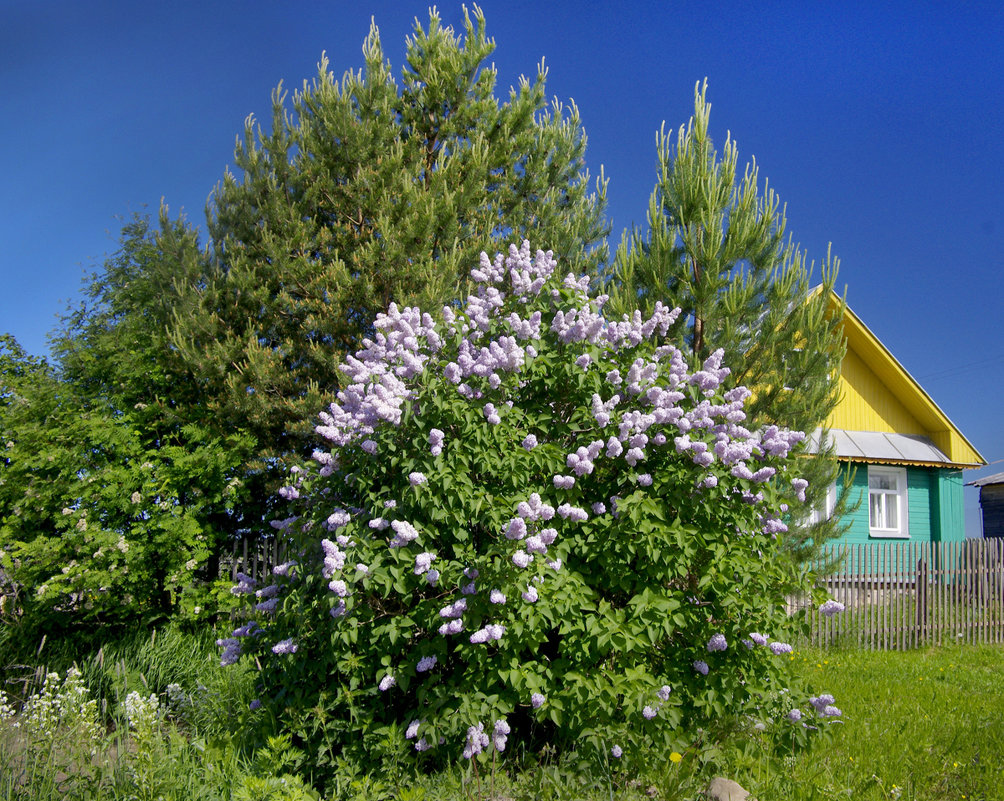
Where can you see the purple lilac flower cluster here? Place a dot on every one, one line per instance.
(831, 608)
(824, 707)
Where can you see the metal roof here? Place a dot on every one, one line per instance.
(996, 478)
(881, 446)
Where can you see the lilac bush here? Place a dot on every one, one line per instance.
(528, 522)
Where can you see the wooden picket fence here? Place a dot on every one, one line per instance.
(255, 557)
(908, 594)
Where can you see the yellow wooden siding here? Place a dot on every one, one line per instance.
(866, 404)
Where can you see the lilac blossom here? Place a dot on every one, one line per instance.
(795, 715)
(548, 535)
(616, 752)
(412, 731)
(634, 455)
(285, 647)
(763, 474)
(436, 441)
(334, 558)
(456, 609)
(572, 513)
(337, 519)
(530, 442)
(231, 650)
(268, 607)
(405, 533)
(649, 712)
(493, 631)
(500, 733)
(831, 608)
(663, 692)
(778, 648)
(423, 562)
(491, 414)
(416, 478)
(563, 482)
(247, 630)
(530, 596)
(387, 682)
(516, 529)
(426, 663)
(521, 559)
(537, 700)
(496, 597)
(717, 643)
(701, 667)
(454, 626)
(477, 741)
(799, 485)
(758, 638)
(581, 462)
(245, 585)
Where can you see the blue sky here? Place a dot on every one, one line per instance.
(881, 126)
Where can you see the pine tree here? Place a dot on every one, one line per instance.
(367, 193)
(716, 247)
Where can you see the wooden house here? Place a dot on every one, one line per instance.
(991, 504)
(907, 457)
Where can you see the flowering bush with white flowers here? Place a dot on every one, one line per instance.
(529, 523)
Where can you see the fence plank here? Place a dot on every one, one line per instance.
(906, 594)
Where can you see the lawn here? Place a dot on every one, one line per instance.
(924, 724)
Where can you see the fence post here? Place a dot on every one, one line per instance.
(920, 582)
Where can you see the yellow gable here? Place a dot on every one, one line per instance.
(878, 394)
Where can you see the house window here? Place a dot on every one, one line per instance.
(824, 509)
(887, 502)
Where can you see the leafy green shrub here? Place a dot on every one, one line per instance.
(533, 522)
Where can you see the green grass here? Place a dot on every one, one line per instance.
(924, 725)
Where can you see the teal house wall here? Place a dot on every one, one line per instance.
(934, 506)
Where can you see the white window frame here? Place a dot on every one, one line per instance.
(824, 510)
(897, 496)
